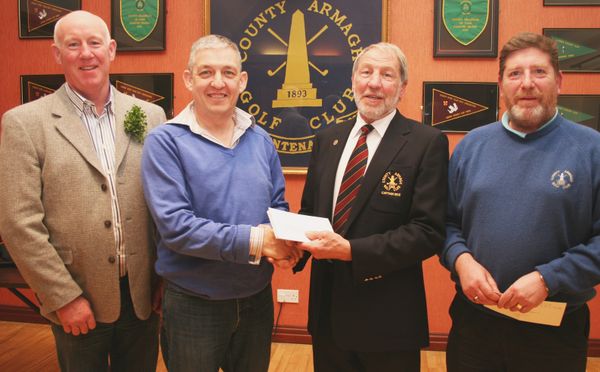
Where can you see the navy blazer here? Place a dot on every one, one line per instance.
(396, 222)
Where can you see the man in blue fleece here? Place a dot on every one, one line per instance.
(523, 223)
(210, 175)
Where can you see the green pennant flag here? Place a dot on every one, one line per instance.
(139, 17)
(465, 20)
(568, 49)
(573, 115)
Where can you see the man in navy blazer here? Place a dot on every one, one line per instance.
(367, 307)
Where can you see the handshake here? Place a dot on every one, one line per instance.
(321, 245)
(283, 253)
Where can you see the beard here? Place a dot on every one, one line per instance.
(372, 113)
(529, 119)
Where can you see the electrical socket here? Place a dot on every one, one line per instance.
(288, 295)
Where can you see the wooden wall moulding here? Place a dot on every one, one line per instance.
(20, 314)
(296, 335)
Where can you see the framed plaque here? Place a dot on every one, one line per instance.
(37, 86)
(578, 48)
(138, 24)
(581, 108)
(459, 107)
(465, 28)
(38, 17)
(298, 55)
(155, 88)
(571, 2)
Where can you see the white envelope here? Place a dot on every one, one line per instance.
(548, 313)
(292, 226)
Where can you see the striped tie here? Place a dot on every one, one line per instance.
(353, 176)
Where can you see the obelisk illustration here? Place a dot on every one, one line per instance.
(297, 90)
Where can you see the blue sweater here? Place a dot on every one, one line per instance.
(204, 198)
(523, 204)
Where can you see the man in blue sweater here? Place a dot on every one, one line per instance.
(209, 177)
(523, 224)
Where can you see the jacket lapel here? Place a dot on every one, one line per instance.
(121, 138)
(69, 124)
(392, 142)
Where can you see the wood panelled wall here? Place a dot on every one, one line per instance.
(410, 25)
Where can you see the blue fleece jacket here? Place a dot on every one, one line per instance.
(523, 204)
(204, 198)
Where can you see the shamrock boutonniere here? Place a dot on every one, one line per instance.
(136, 123)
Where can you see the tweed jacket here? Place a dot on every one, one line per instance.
(55, 207)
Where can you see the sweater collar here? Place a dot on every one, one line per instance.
(546, 128)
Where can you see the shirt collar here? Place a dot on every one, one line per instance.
(379, 125)
(523, 134)
(241, 119)
(81, 103)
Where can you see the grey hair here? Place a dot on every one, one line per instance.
(212, 42)
(389, 48)
(58, 25)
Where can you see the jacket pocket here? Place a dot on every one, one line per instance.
(394, 191)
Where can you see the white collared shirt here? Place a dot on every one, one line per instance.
(241, 119)
(101, 128)
(373, 141)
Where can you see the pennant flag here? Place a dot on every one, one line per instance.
(574, 115)
(137, 92)
(35, 91)
(41, 14)
(447, 107)
(568, 49)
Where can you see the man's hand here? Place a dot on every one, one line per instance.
(290, 262)
(283, 253)
(476, 282)
(327, 245)
(77, 317)
(525, 293)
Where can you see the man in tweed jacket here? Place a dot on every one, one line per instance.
(73, 215)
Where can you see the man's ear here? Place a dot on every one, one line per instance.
(56, 54)
(112, 49)
(243, 81)
(402, 90)
(559, 77)
(187, 79)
